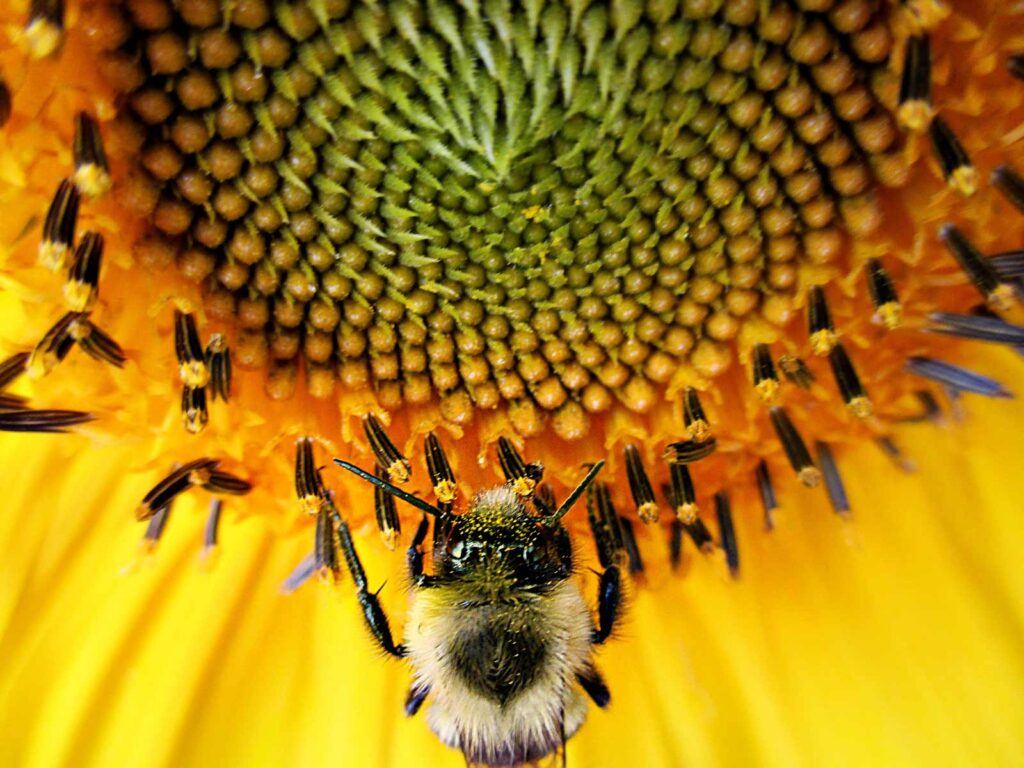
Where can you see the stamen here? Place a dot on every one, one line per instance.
(82, 285)
(727, 533)
(820, 329)
(697, 426)
(97, 343)
(5, 103)
(956, 378)
(605, 525)
(92, 172)
(796, 371)
(636, 563)
(833, 482)
(1015, 64)
(218, 362)
(53, 347)
(325, 552)
(998, 295)
(930, 408)
(218, 481)
(890, 449)
(43, 420)
(441, 475)
(521, 476)
(850, 388)
(888, 310)
(794, 446)
(769, 501)
(386, 511)
(640, 486)
(684, 500)
(1010, 184)
(212, 528)
(179, 480)
(689, 451)
(915, 105)
(59, 226)
(1008, 265)
(44, 32)
(193, 408)
(675, 544)
(976, 328)
(300, 574)
(394, 463)
(12, 368)
(155, 528)
(191, 359)
(11, 402)
(309, 486)
(960, 173)
(766, 380)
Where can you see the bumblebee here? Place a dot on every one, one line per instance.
(499, 637)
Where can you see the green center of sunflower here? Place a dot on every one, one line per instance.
(549, 207)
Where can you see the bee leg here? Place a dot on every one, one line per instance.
(609, 600)
(592, 682)
(374, 615)
(414, 555)
(415, 698)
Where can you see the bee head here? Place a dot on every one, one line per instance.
(498, 541)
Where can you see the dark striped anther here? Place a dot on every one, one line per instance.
(727, 532)
(888, 310)
(998, 295)
(1010, 184)
(794, 446)
(833, 481)
(640, 486)
(522, 477)
(821, 331)
(956, 165)
(386, 512)
(92, 171)
(189, 351)
(850, 388)
(59, 226)
(766, 380)
(180, 479)
(309, 486)
(218, 362)
(387, 455)
(769, 501)
(915, 105)
(82, 285)
(441, 476)
(697, 426)
(194, 412)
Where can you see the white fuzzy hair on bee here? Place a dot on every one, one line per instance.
(499, 637)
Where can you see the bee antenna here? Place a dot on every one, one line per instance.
(395, 491)
(573, 497)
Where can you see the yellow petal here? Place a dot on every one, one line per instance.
(892, 639)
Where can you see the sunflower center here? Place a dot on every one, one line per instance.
(546, 209)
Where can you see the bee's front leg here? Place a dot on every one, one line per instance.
(374, 615)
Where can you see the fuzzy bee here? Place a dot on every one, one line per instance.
(499, 636)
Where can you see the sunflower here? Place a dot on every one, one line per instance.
(758, 256)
